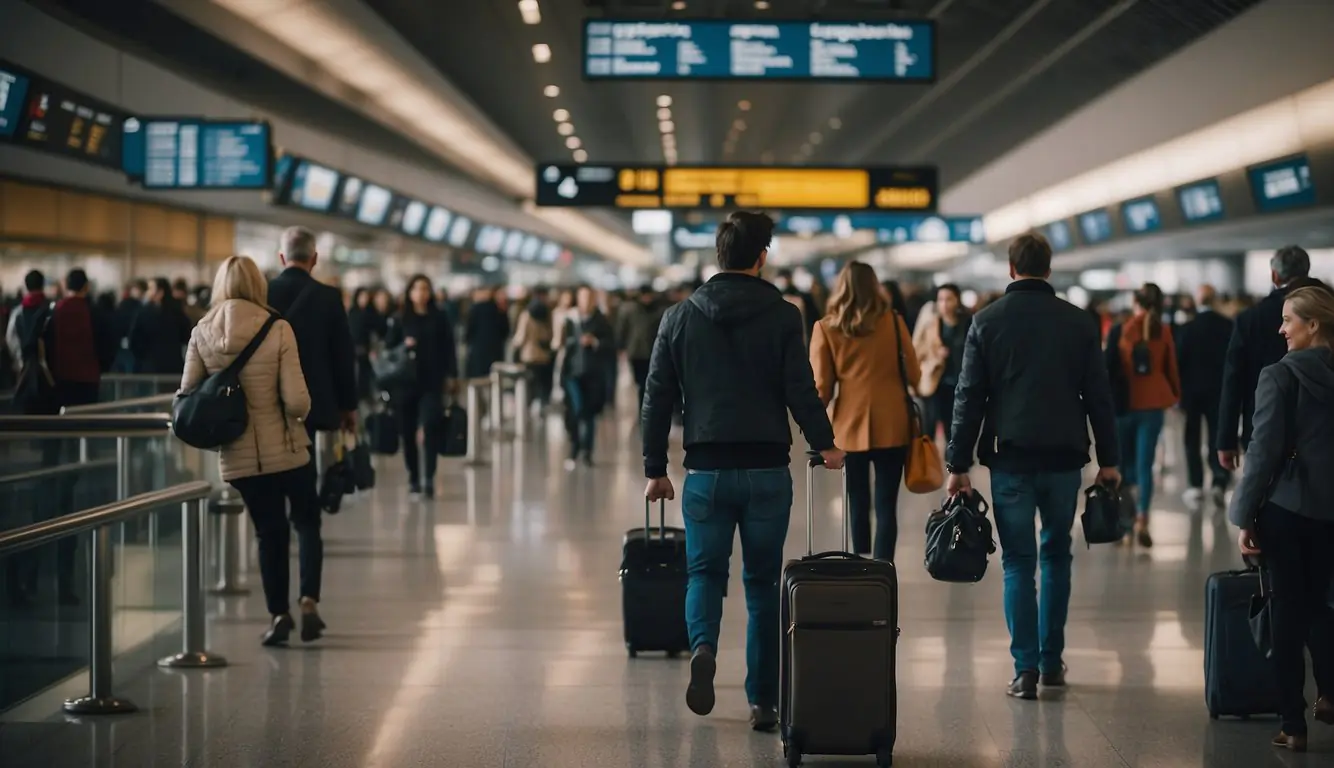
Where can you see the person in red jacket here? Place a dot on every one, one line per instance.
(74, 360)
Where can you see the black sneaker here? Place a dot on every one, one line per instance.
(1024, 686)
(699, 694)
(279, 631)
(414, 489)
(428, 491)
(1055, 679)
(763, 717)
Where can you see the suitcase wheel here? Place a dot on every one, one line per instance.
(792, 752)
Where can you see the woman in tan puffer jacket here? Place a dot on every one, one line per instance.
(270, 463)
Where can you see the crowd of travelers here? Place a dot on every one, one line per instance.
(1017, 382)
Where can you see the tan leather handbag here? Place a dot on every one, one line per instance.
(923, 471)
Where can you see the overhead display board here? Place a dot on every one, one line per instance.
(1141, 216)
(889, 227)
(48, 116)
(1095, 226)
(313, 186)
(1058, 235)
(1283, 184)
(710, 187)
(716, 49)
(1201, 201)
(194, 153)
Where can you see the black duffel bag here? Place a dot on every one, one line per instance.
(958, 539)
(1103, 519)
(213, 415)
(395, 368)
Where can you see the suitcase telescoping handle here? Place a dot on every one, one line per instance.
(813, 460)
(662, 519)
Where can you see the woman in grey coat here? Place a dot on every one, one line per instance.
(1284, 505)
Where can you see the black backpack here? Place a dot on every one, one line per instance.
(213, 414)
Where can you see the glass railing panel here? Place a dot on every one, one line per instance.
(43, 633)
(146, 594)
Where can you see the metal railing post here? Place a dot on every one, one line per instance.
(194, 655)
(100, 700)
(496, 411)
(521, 409)
(230, 511)
(473, 457)
(122, 468)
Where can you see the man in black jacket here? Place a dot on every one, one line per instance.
(323, 337)
(1032, 380)
(1201, 357)
(734, 354)
(1255, 344)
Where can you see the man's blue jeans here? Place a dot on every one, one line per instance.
(1037, 629)
(715, 504)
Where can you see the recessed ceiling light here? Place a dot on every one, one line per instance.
(530, 12)
(565, 129)
(743, 105)
(666, 126)
(761, 5)
(664, 113)
(551, 91)
(816, 138)
(580, 155)
(664, 100)
(679, 5)
(573, 142)
(739, 124)
(835, 123)
(541, 53)
(561, 115)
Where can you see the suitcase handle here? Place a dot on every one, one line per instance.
(813, 460)
(662, 519)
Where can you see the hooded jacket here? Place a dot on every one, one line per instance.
(733, 357)
(277, 400)
(1294, 417)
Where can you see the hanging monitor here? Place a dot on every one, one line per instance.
(194, 153)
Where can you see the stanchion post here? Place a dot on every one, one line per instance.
(194, 655)
(473, 457)
(496, 408)
(100, 700)
(229, 548)
(521, 404)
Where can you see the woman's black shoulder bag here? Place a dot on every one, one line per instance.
(213, 414)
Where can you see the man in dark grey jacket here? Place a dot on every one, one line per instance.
(734, 354)
(1032, 380)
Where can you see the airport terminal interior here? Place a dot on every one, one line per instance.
(510, 210)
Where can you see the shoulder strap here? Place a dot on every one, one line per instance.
(250, 348)
(903, 367)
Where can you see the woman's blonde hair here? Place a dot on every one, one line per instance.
(240, 278)
(1316, 304)
(857, 303)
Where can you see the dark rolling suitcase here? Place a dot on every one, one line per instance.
(839, 620)
(453, 426)
(653, 587)
(1238, 679)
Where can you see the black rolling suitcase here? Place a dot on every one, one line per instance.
(653, 587)
(839, 618)
(1238, 679)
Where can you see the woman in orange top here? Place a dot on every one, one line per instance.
(1144, 371)
(860, 346)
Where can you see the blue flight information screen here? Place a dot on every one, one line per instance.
(1284, 184)
(716, 49)
(13, 89)
(198, 154)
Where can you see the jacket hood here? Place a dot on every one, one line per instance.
(228, 327)
(730, 299)
(1314, 369)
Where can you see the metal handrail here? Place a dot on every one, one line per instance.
(115, 406)
(91, 425)
(37, 534)
(63, 469)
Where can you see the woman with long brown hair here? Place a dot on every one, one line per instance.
(1142, 362)
(864, 347)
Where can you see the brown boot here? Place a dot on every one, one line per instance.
(1142, 536)
(1294, 743)
(1324, 710)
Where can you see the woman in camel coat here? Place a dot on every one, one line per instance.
(270, 463)
(857, 352)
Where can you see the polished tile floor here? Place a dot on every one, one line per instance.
(483, 629)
